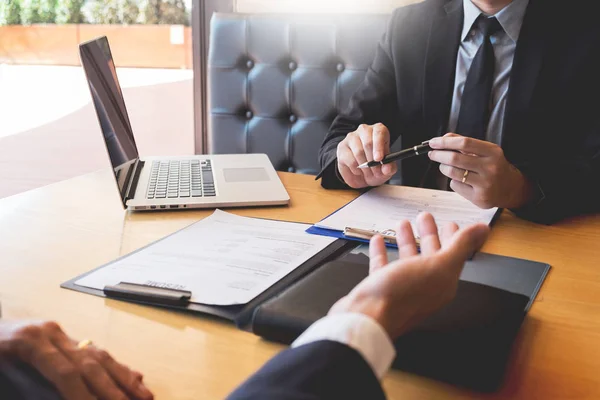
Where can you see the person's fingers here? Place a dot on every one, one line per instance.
(95, 375)
(450, 134)
(378, 177)
(448, 231)
(463, 189)
(354, 181)
(381, 141)
(457, 160)
(356, 146)
(457, 174)
(348, 167)
(346, 158)
(463, 244)
(344, 169)
(405, 239)
(365, 134)
(377, 173)
(462, 143)
(389, 169)
(428, 233)
(52, 364)
(377, 253)
(127, 379)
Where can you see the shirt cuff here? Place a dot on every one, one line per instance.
(357, 331)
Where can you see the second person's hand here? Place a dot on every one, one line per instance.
(76, 373)
(400, 294)
(367, 143)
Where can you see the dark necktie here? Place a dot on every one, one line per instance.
(476, 104)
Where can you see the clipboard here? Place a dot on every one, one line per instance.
(364, 235)
(174, 299)
(357, 235)
(354, 234)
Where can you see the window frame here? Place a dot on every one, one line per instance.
(202, 11)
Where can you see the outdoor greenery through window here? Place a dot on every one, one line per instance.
(27, 12)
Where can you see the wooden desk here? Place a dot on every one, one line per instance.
(52, 234)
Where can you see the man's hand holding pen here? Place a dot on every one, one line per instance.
(478, 169)
(367, 143)
(480, 172)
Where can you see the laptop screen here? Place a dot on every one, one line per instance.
(108, 100)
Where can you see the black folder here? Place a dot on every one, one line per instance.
(466, 343)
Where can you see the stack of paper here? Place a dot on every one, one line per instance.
(382, 208)
(223, 259)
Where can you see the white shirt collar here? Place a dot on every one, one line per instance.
(510, 18)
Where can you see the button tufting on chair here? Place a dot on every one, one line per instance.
(301, 62)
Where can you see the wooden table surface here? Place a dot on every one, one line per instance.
(55, 233)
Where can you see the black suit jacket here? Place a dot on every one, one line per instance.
(552, 119)
(22, 382)
(319, 370)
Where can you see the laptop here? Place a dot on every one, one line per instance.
(160, 183)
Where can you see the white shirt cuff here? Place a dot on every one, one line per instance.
(357, 331)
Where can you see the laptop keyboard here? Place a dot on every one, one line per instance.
(186, 178)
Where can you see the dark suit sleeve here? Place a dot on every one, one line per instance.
(564, 188)
(375, 101)
(319, 370)
(22, 382)
(567, 180)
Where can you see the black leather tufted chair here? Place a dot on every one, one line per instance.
(276, 82)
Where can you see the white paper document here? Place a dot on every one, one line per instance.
(223, 259)
(381, 209)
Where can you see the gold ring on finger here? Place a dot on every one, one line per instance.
(465, 175)
(84, 343)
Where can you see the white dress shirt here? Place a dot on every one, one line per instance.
(357, 331)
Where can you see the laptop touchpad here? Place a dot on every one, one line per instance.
(233, 175)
